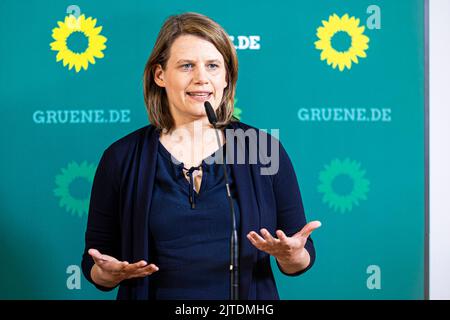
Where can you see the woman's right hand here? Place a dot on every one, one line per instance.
(109, 272)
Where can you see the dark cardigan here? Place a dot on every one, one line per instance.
(120, 202)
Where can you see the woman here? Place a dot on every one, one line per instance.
(159, 224)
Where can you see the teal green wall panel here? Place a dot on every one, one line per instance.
(362, 174)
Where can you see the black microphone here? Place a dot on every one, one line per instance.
(234, 247)
(211, 115)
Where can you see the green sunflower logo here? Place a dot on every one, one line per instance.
(237, 111)
(73, 187)
(343, 185)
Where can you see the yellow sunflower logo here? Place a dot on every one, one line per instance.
(337, 54)
(75, 31)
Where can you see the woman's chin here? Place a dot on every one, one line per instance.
(198, 110)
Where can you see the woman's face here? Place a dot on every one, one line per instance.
(195, 73)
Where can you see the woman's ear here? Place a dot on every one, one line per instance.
(159, 76)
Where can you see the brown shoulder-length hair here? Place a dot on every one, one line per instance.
(188, 24)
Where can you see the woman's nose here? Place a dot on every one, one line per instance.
(200, 75)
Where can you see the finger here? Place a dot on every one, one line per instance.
(309, 228)
(140, 275)
(151, 268)
(154, 266)
(113, 266)
(255, 236)
(282, 236)
(255, 242)
(268, 237)
(109, 265)
(143, 272)
(139, 264)
(135, 266)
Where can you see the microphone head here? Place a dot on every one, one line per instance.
(210, 113)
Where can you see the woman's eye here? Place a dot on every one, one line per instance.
(213, 66)
(187, 66)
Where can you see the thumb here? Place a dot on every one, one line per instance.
(309, 228)
(99, 257)
(94, 253)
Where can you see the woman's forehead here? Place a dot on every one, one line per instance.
(189, 47)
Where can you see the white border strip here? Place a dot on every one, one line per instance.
(439, 149)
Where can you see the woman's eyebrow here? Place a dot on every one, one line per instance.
(192, 61)
(213, 61)
(185, 61)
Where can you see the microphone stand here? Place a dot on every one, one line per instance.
(234, 243)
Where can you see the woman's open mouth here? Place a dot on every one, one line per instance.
(200, 96)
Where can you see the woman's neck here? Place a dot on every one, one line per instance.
(198, 132)
(192, 142)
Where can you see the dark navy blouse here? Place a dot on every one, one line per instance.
(190, 230)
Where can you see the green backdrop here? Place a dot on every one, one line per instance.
(354, 131)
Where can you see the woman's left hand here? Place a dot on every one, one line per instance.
(285, 249)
